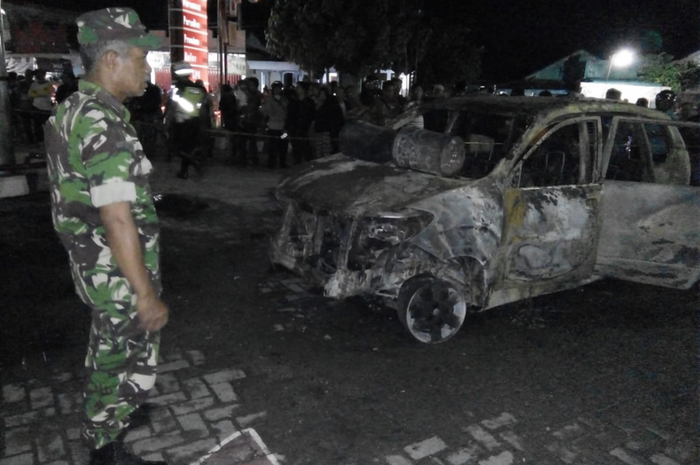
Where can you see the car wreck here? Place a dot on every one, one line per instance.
(495, 200)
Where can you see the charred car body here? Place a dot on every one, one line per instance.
(497, 200)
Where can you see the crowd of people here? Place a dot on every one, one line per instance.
(308, 116)
(305, 118)
(32, 98)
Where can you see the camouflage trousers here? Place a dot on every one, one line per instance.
(121, 365)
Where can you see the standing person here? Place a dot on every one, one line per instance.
(400, 99)
(25, 106)
(250, 122)
(103, 212)
(186, 117)
(352, 97)
(68, 86)
(41, 92)
(229, 117)
(275, 112)
(329, 122)
(612, 94)
(300, 117)
(416, 100)
(386, 107)
(416, 96)
(666, 102)
(150, 118)
(13, 87)
(321, 135)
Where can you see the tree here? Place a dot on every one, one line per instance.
(351, 36)
(448, 56)
(661, 69)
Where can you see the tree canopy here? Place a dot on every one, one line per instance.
(448, 55)
(354, 37)
(662, 69)
(361, 36)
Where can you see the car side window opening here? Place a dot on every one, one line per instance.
(487, 140)
(557, 160)
(629, 159)
(659, 142)
(691, 140)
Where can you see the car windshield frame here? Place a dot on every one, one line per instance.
(482, 151)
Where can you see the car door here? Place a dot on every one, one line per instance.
(650, 214)
(551, 225)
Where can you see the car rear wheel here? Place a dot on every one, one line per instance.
(431, 309)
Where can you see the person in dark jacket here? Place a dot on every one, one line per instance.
(274, 109)
(251, 122)
(330, 119)
(300, 117)
(69, 85)
(229, 117)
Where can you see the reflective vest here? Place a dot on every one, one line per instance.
(187, 102)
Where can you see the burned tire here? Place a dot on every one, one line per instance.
(431, 309)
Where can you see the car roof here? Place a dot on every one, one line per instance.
(540, 105)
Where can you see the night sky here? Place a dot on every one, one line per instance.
(521, 36)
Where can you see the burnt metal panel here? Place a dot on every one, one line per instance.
(550, 233)
(650, 233)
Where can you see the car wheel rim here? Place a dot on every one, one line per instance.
(435, 312)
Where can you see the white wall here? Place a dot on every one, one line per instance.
(630, 92)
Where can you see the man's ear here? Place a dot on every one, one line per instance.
(111, 59)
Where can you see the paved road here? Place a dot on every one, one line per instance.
(606, 374)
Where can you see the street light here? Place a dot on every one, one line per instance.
(620, 59)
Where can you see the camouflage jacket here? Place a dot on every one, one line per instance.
(95, 159)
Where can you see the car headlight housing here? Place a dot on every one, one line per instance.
(378, 233)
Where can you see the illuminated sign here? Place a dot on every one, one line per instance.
(195, 38)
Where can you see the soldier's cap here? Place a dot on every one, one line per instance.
(118, 23)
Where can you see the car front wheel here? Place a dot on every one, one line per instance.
(431, 309)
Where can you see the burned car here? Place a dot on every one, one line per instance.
(495, 200)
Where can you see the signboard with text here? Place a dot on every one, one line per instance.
(195, 37)
(189, 36)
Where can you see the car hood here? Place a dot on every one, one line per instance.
(358, 188)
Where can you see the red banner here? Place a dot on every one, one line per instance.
(195, 38)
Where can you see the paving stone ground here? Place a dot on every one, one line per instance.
(196, 406)
(191, 410)
(504, 440)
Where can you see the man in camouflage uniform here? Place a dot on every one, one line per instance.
(104, 214)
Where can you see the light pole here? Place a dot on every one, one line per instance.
(7, 153)
(620, 59)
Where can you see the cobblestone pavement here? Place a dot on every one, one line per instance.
(602, 375)
(190, 411)
(598, 438)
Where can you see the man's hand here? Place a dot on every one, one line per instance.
(123, 239)
(152, 313)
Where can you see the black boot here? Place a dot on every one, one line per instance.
(115, 453)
